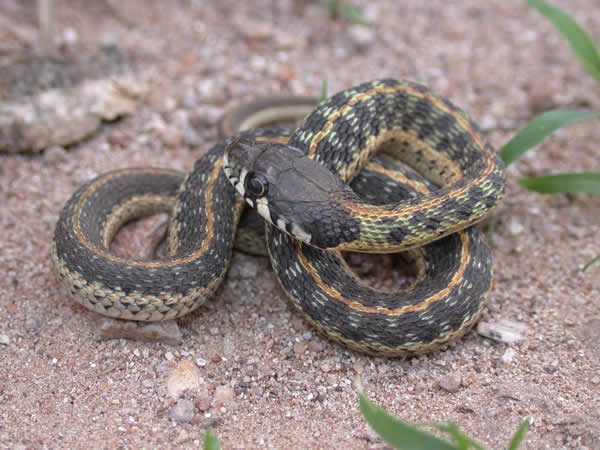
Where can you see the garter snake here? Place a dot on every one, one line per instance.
(464, 181)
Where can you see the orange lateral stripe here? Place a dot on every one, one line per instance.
(458, 275)
(193, 256)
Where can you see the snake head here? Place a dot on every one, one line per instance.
(289, 190)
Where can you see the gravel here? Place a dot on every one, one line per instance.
(499, 60)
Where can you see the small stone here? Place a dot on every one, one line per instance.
(201, 362)
(169, 356)
(166, 331)
(307, 335)
(255, 30)
(4, 339)
(515, 227)
(244, 267)
(185, 376)
(540, 94)
(55, 154)
(33, 323)
(147, 383)
(361, 36)
(170, 136)
(203, 404)
(316, 346)
(450, 383)
(286, 41)
(506, 331)
(69, 37)
(576, 232)
(325, 366)
(224, 394)
(182, 412)
(508, 356)
(213, 331)
(488, 123)
(300, 348)
(370, 12)
(371, 435)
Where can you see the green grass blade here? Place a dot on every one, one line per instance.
(397, 433)
(463, 441)
(210, 441)
(323, 92)
(539, 128)
(353, 14)
(597, 258)
(579, 41)
(564, 182)
(520, 434)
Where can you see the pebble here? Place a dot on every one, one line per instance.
(244, 267)
(182, 412)
(361, 36)
(224, 394)
(450, 383)
(287, 41)
(515, 227)
(540, 94)
(4, 339)
(508, 356)
(69, 37)
(201, 362)
(210, 91)
(299, 348)
(576, 232)
(370, 12)
(170, 135)
(203, 403)
(166, 331)
(307, 335)
(316, 346)
(185, 376)
(251, 29)
(33, 323)
(488, 123)
(55, 154)
(506, 331)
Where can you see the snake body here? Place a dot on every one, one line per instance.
(402, 119)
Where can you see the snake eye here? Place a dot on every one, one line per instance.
(256, 185)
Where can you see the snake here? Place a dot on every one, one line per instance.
(449, 180)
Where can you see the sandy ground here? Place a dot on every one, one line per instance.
(257, 373)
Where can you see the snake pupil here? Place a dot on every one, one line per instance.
(256, 185)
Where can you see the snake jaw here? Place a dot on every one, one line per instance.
(237, 182)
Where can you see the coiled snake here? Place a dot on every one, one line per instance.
(318, 215)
